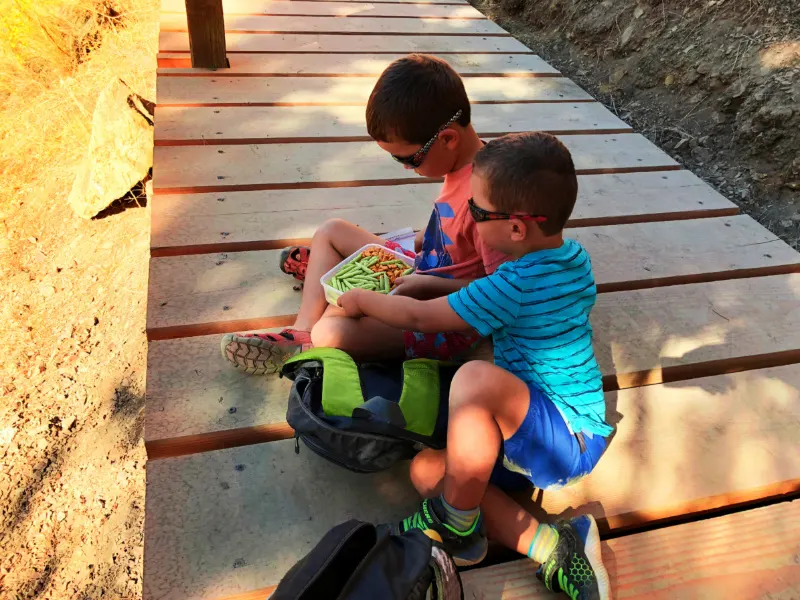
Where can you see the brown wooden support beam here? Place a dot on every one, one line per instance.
(206, 24)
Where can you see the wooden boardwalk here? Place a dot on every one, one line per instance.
(697, 323)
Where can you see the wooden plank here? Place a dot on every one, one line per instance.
(205, 23)
(191, 223)
(210, 293)
(225, 522)
(193, 169)
(259, 24)
(220, 517)
(178, 41)
(693, 446)
(278, 91)
(644, 337)
(750, 555)
(196, 400)
(335, 9)
(356, 65)
(284, 124)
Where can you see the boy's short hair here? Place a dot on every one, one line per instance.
(530, 173)
(413, 98)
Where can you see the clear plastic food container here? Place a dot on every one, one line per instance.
(332, 294)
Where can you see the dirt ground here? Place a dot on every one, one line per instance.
(715, 83)
(73, 295)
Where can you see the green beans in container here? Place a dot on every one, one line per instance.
(372, 267)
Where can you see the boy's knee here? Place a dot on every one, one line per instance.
(472, 379)
(331, 229)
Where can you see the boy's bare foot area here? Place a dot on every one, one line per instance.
(263, 353)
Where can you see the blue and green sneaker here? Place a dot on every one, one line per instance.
(467, 548)
(576, 567)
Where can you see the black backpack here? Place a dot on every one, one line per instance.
(365, 417)
(357, 561)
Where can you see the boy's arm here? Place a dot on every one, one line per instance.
(427, 287)
(400, 312)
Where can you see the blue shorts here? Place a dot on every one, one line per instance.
(543, 452)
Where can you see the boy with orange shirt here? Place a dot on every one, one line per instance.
(418, 113)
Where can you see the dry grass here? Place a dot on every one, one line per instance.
(55, 57)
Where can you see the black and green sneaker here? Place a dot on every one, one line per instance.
(467, 548)
(576, 567)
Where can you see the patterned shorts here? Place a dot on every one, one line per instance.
(439, 346)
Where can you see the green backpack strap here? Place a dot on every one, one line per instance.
(341, 383)
(419, 399)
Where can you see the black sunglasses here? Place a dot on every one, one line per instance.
(481, 214)
(415, 160)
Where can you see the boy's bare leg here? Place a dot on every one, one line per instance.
(333, 241)
(506, 521)
(361, 338)
(487, 405)
(266, 353)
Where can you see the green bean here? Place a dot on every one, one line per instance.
(408, 271)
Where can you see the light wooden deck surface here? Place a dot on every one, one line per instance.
(697, 326)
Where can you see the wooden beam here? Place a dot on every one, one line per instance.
(206, 23)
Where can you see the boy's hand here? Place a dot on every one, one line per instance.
(349, 303)
(413, 286)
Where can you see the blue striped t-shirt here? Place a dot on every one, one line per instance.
(537, 310)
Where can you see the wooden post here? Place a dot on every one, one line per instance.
(206, 23)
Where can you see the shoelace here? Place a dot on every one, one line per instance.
(415, 521)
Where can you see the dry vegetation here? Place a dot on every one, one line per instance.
(72, 304)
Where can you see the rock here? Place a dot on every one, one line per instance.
(41, 443)
(67, 423)
(691, 77)
(796, 217)
(617, 76)
(46, 290)
(774, 115)
(638, 12)
(119, 156)
(669, 79)
(627, 34)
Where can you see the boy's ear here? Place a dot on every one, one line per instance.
(450, 137)
(519, 230)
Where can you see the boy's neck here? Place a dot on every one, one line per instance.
(470, 144)
(545, 243)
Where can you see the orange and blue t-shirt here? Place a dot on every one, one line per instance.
(451, 246)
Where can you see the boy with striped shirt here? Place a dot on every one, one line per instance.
(538, 414)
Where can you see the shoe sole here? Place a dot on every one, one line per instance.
(592, 549)
(469, 562)
(460, 561)
(254, 355)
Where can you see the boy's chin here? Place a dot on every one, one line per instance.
(429, 172)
